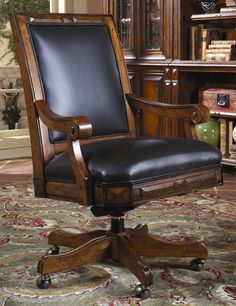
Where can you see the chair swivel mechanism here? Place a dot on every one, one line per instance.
(87, 143)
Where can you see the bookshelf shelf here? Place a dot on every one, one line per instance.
(222, 66)
(227, 115)
(215, 16)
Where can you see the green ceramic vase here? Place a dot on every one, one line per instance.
(209, 132)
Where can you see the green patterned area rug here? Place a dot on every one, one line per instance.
(25, 222)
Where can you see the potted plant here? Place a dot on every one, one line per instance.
(11, 113)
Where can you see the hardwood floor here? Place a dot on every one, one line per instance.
(20, 170)
(228, 190)
(16, 170)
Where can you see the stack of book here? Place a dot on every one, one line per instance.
(221, 50)
(230, 7)
(230, 2)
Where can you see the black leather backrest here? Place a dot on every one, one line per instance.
(80, 76)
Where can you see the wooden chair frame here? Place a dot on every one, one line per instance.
(115, 199)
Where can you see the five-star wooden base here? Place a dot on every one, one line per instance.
(127, 246)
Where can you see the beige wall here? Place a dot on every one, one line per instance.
(76, 6)
(79, 6)
(94, 6)
(87, 6)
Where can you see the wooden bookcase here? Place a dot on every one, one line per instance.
(196, 74)
(156, 39)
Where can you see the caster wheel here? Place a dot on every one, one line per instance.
(44, 282)
(53, 250)
(142, 292)
(197, 264)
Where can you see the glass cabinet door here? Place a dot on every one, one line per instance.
(152, 29)
(125, 18)
(143, 27)
(152, 24)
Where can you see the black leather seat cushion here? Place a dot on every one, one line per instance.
(137, 159)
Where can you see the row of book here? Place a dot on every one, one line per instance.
(211, 44)
(227, 138)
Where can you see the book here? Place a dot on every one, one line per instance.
(230, 135)
(220, 57)
(222, 136)
(194, 43)
(220, 46)
(204, 43)
(220, 51)
(223, 42)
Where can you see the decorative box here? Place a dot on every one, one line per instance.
(218, 99)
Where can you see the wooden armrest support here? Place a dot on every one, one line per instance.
(78, 127)
(196, 113)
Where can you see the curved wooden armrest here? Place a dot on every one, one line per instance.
(196, 113)
(78, 127)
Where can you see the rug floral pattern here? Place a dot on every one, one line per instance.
(25, 222)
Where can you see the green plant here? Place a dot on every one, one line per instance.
(9, 6)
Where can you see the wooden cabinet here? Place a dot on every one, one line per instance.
(157, 39)
(153, 34)
(146, 33)
(144, 27)
(206, 70)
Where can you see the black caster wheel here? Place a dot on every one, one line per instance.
(197, 264)
(44, 282)
(142, 292)
(53, 250)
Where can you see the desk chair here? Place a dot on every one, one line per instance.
(87, 147)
